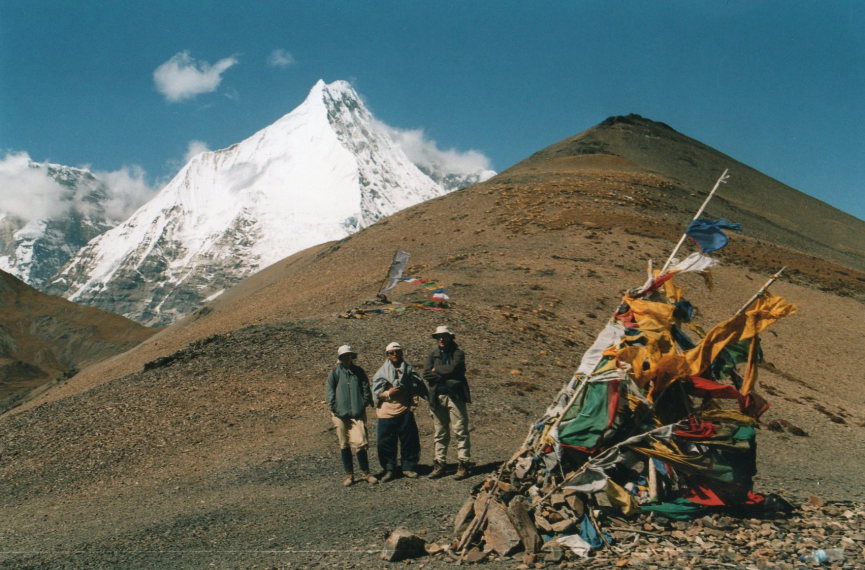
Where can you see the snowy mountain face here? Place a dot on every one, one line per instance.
(34, 248)
(321, 172)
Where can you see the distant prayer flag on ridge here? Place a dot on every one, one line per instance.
(708, 234)
(438, 294)
(397, 266)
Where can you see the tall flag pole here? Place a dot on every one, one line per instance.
(722, 179)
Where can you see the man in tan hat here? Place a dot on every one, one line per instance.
(348, 395)
(396, 388)
(445, 372)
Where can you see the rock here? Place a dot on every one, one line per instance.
(563, 526)
(474, 556)
(480, 503)
(518, 511)
(464, 516)
(572, 498)
(500, 533)
(542, 523)
(403, 544)
(602, 499)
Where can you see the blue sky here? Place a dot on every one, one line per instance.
(779, 86)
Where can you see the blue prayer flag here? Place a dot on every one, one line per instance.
(708, 234)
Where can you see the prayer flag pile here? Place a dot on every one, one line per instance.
(652, 421)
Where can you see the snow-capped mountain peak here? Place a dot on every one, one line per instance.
(322, 171)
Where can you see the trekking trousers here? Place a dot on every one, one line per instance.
(449, 415)
(401, 431)
(351, 432)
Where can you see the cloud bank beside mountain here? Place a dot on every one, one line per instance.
(28, 192)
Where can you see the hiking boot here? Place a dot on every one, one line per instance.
(463, 470)
(437, 471)
(410, 474)
(388, 476)
(369, 477)
(349, 479)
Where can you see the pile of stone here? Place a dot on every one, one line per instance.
(648, 541)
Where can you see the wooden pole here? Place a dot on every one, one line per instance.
(722, 179)
(387, 273)
(653, 480)
(761, 292)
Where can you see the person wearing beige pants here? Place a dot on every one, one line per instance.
(348, 396)
(445, 372)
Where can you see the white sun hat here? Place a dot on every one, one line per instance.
(442, 329)
(345, 349)
(393, 346)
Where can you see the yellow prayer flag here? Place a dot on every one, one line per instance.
(766, 311)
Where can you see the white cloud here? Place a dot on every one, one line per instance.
(182, 77)
(280, 58)
(425, 153)
(27, 192)
(194, 148)
(128, 190)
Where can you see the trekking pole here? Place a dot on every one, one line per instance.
(761, 292)
(722, 179)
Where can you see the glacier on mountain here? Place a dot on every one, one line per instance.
(319, 173)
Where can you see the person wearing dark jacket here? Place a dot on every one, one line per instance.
(348, 395)
(445, 372)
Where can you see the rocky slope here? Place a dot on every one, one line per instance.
(209, 444)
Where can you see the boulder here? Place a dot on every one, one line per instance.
(403, 544)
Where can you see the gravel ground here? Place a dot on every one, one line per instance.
(111, 482)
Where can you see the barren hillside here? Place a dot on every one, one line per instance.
(45, 338)
(209, 444)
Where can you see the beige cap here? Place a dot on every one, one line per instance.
(393, 346)
(442, 329)
(345, 349)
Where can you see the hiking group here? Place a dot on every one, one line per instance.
(395, 393)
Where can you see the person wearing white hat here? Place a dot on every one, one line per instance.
(396, 389)
(445, 372)
(348, 395)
